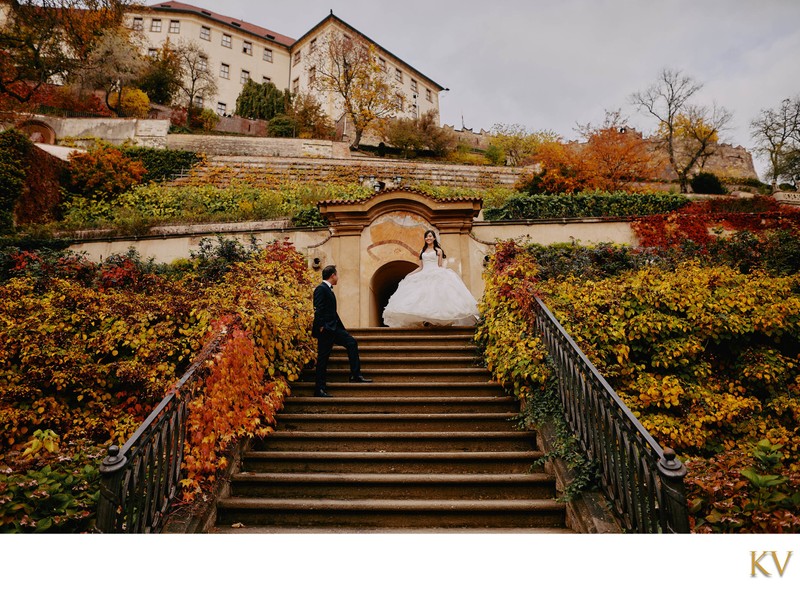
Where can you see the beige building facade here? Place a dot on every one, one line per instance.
(235, 51)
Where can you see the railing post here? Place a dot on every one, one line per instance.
(110, 481)
(672, 472)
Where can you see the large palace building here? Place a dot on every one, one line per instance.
(237, 51)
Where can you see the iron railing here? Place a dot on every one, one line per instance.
(140, 480)
(642, 480)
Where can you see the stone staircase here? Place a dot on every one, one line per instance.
(431, 445)
(272, 172)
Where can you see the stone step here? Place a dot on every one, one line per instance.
(410, 340)
(400, 405)
(466, 333)
(239, 528)
(392, 513)
(385, 422)
(392, 486)
(410, 375)
(397, 441)
(412, 350)
(394, 462)
(339, 361)
(427, 390)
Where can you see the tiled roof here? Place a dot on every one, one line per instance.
(225, 20)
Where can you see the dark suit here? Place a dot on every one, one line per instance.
(329, 330)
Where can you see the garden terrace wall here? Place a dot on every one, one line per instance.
(273, 171)
(258, 147)
(141, 132)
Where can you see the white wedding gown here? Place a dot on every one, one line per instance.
(435, 295)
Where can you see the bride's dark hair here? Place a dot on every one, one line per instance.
(435, 244)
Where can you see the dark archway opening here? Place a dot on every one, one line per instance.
(383, 285)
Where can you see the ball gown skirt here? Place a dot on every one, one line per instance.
(434, 295)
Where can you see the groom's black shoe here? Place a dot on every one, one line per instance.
(322, 394)
(360, 379)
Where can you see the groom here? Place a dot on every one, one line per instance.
(329, 330)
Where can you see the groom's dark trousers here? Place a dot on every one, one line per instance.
(329, 330)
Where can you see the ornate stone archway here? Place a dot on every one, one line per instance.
(375, 242)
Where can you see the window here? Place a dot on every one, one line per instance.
(198, 101)
(398, 75)
(244, 77)
(400, 102)
(312, 75)
(152, 52)
(155, 25)
(266, 79)
(205, 33)
(202, 63)
(312, 46)
(413, 85)
(297, 57)
(226, 40)
(224, 71)
(267, 55)
(428, 95)
(296, 86)
(174, 26)
(138, 23)
(382, 64)
(247, 48)
(222, 108)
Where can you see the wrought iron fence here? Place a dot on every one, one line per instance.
(140, 480)
(643, 481)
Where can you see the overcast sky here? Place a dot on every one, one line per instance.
(549, 64)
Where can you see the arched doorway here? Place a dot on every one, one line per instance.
(38, 131)
(383, 285)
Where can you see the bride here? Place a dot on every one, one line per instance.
(431, 294)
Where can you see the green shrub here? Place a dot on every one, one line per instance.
(596, 204)
(58, 497)
(706, 182)
(309, 216)
(13, 149)
(161, 164)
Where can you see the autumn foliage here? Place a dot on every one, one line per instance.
(611, 158)
(706, 356)
(88, 350)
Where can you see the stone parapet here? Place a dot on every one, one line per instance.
(221, 146)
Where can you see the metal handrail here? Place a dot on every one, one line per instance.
(139, 481)
(643, 481)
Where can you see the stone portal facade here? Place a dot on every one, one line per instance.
(376, 242)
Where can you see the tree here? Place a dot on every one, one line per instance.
(777, 135)
(114, 64)
(162, 75)
(309, 118)
(195, 81)
(688, 133)
(617, 154)
(414, 134)
(517, 144)
(349, 69)
(44, 41)
(262, 101)
(562, 169)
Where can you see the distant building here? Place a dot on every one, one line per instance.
(236, 51)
